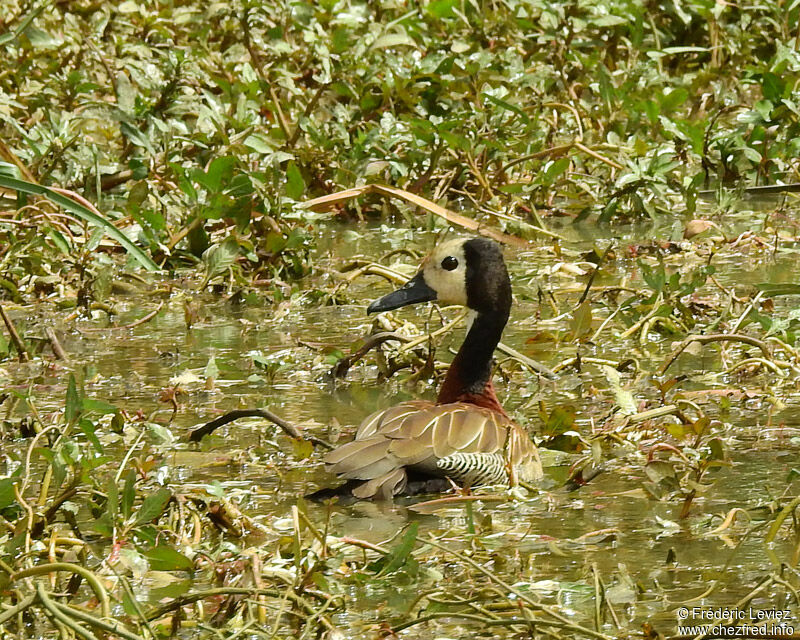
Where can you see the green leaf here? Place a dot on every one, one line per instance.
(623, 397)
(673, 100)
(259, 143)
(128, 494)
(606, 84)
(7, 497)
(295, 185)
(91, 405)
(773, 87)
(216, 489)
(83, 213)
(164, 558)
(717, 449)
(656, 278)
(553, 170)
(58, 240)
(219, 257)
(136, 136)
(398, 556)
(198, 240)
(211, 370)
(153, 505)
(569, 442)
(72, 405)
(609, 21)
(220, 169)
(88, 427)
(508, 106)
(9, 170)
(676, 50)
(581, 323)
(137, 195)
(393, 40)
(130, 607)
(560, 420)
(59, 467)
(441, 8)
(659, 471)
(112, 504)
(22, 26)
(302, 449)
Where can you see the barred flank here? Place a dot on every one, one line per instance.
(475, 468)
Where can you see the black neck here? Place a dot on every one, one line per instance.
(472, 367)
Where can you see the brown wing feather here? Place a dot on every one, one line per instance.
(384, 420)
(492, 437)
(473, 429)
(415, 434)
(384, 487)
(460, 437)
(362, 459)
(410, 451)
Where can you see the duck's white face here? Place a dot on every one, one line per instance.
(445, 271)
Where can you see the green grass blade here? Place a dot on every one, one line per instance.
(83, 213)
(13, 35)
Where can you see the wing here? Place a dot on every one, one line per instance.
(416, 435)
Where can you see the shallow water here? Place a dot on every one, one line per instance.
(649, 561)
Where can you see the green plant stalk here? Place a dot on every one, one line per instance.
(776, 525)
(60, 616)
(17, 608)
(26, 21)
(536, 606)
(190, 598)
(111, 627)
(91, 578)
(136, 604)
(83, 213)
(48, 474)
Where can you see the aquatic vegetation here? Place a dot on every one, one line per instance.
(199, 200)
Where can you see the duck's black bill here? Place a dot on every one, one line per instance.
(413, 291)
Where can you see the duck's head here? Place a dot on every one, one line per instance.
(469, 272)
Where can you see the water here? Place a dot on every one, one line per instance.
(554, 544)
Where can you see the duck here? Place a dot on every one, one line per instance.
(465, 436)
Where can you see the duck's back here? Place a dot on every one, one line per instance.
(420, 439)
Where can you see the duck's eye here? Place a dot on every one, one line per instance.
(449, 263)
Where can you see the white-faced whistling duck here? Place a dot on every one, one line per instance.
(466, 434)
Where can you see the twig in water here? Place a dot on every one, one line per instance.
(287, 427)
(136, 323)
(531, 364)
(769, 364)
(746, 312)
(343, 365)
(598, 156)
(715, 337)
(20, 346)
(594, 274)
(426, 337)
(58, 350)
(431, 506)
(761, 190)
